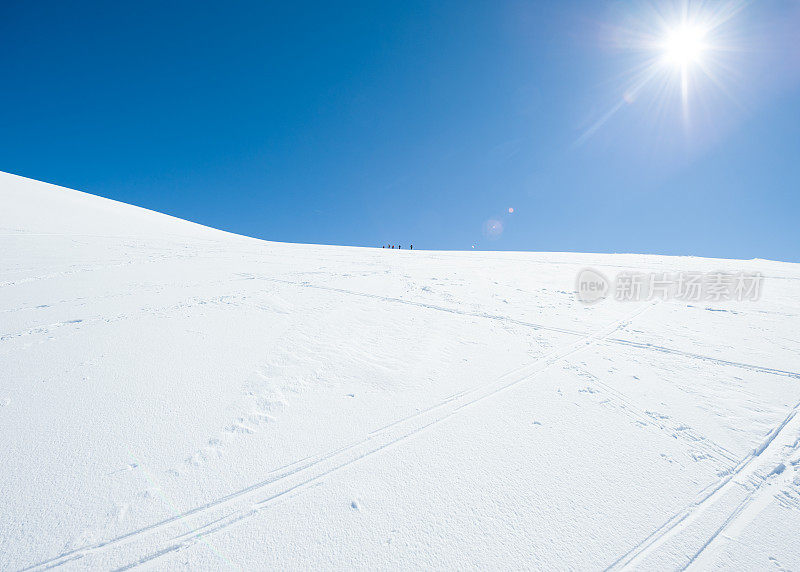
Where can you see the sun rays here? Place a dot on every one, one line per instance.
(680, 53)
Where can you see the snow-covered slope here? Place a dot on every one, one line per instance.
(172, 395)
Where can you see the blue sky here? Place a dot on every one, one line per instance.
(375, 122)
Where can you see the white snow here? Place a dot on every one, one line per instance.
(176, 396)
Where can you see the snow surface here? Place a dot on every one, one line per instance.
(176, 396)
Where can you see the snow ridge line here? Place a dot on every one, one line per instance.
(621, 341)
(235, 507)
(707, 498)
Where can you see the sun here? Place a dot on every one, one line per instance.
(680, 55)
(684, 45)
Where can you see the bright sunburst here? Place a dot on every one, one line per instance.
(684, 45)
(682, 49)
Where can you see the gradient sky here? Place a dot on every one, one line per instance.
(376, 122)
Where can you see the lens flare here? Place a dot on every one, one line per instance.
(492, 228)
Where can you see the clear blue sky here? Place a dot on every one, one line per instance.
(375, 122)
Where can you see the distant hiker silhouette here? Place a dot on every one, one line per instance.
(411, 247)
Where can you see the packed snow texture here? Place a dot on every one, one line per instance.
(176, 396)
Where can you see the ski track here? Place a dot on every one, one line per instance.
(621, 341)
(759, 497)
(301, 474)
(758, 461)
(506, 319)
(385, 437)
(666, 350)
(625, 405)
